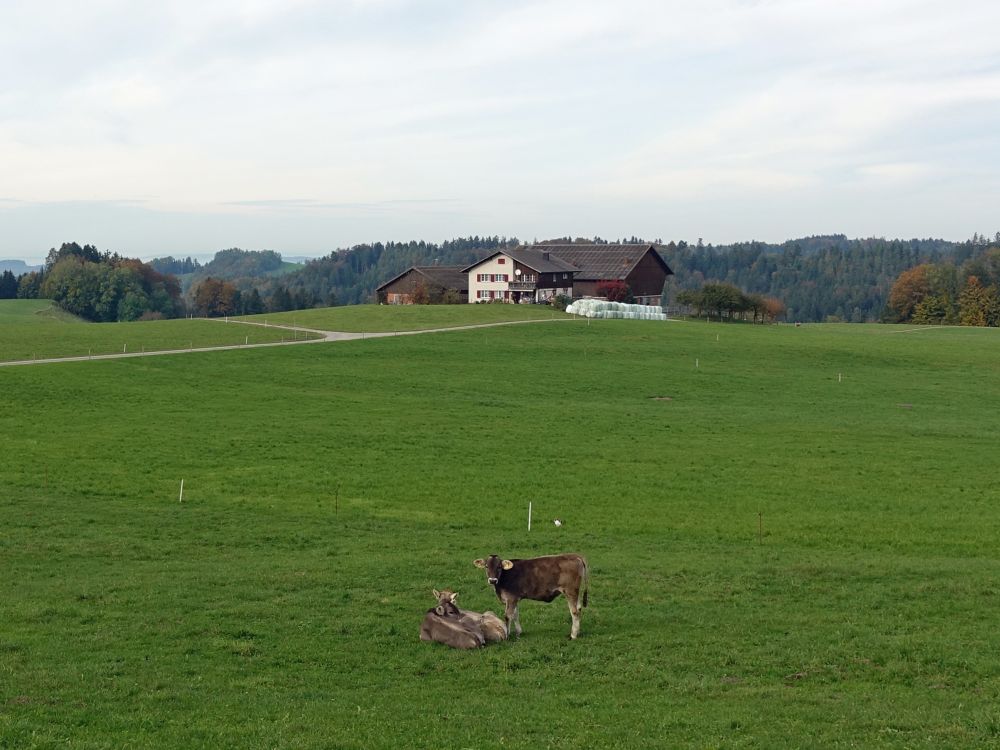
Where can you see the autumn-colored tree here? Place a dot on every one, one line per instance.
(615, 290)
(773, 308)
(979, 305)
(419, 295)
(214, 298)
(910, 288)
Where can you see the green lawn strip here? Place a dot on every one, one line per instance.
(382, 318)
(779, 556)
(38, 311)
(28, 340)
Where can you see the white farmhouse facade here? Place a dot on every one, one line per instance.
(491, 279)
(521, 276)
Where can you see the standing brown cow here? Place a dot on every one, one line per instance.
(539, 578)
(491, 626)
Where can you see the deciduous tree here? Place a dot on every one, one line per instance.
(615, 290)
(909, 290)
(773, 308)
(214, 298)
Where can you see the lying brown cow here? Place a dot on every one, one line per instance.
(539, 578)
(444, 625)
(491, 626)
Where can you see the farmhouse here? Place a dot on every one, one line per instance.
(536, 273)
(522, 274)
(425, 284)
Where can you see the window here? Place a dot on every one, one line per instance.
(565, 275)
(501, 261)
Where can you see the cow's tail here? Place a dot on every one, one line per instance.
(586, 582)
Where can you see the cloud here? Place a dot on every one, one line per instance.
(897, 174)
(528, 107)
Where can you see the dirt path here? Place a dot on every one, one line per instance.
(325, 336)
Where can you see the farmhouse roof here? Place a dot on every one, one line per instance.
(602, 262)
(447, 277)
(540, 259)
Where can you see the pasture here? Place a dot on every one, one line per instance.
(33, 312)
(792, 544)
(381, 318)
(36, 329)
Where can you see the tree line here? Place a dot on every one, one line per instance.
(828, 277)
(175, 266)
(256, 281)
(726, 300)
(98, 286)
(963, 290)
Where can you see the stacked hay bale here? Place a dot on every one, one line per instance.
(599, 308)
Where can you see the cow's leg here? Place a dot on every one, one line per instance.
(513, 616)
(573, 599)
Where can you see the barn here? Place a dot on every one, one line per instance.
(425, 284)
(640, 267)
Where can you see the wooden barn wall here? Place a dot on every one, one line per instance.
(647, 278)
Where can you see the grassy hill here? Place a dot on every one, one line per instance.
(36, 329)
(792, 536)
(375, 318)
(33, 311)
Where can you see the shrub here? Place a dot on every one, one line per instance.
(560, 302)
(615, 290)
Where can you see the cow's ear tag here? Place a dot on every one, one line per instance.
(480, 563)
(507, 564)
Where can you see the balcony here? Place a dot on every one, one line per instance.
(521, 286)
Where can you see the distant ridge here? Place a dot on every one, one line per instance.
(17, 267)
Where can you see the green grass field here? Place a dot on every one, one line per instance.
(380, 318)
(792, 544)
(33, 312)
(35, 329)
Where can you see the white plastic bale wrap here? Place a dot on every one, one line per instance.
(597, 308)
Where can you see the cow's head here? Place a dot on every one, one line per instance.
(494, 567)
(446, 605)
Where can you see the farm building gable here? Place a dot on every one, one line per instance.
(434, 280)
(640, 266)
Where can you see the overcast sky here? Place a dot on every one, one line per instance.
(186, 127)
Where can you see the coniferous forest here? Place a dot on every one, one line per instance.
(819, 278)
